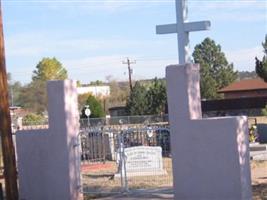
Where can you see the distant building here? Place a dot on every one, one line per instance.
(99, 91)
(117, 111)
(244, 89)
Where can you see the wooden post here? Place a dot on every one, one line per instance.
(10, 172)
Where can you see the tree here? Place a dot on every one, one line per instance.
(14, 93)
(97, 83)
(247, 75)
(49, 69)
(9, 77)
(264, 45)
(14, 89)
(119, 93)
(261, 66)
(137, 103)
(147, 98)
(156, 97)
(95, 108)
(215, 71)
(82, 98)
(264, 111)
(78, 83)
(33, 96)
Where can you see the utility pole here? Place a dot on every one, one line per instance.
(130, 71)
(10, 171)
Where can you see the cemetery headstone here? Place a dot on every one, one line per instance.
(211, 155)
(49, 159)
(143, 161)
(262, 133)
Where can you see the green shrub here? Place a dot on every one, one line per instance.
(95, 107)
(33, 119)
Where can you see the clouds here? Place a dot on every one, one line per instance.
(92, 37)
(227, 4)
(87, 6)
(230, 10)
(240, 17)
(93, 68)
(42, 43)
(86, 58)
(244, 59)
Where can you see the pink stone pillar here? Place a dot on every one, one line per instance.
(210, 155)
(48, 159)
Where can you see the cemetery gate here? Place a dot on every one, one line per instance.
(117, 159)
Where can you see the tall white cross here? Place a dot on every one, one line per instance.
(182, 28)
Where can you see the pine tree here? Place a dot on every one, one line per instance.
(156, 97)
(215, 71)
(137, 103)
(261, 66)
(95, 107)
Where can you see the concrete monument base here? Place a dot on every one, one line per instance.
(210, 156)
(49, 159)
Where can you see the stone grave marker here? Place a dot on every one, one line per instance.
(142, 161)
(210, 155)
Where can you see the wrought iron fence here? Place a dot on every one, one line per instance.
(104, 159)
(98, 144)
(139, 119)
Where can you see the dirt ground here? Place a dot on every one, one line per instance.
(259, 179)
(101, 181)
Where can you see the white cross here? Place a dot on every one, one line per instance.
(182, 28)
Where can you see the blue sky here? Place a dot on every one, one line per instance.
(91, 38)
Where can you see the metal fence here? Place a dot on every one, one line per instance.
(104, 155)
(138, 119)
(98, 144)
(120, 120)
(95, 122)
(105, 167)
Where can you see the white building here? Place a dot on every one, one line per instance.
(99, 91)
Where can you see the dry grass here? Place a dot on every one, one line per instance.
(259, 119)
(259, 179)
(105, 180)
(101, 181)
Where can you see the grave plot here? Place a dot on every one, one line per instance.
(125, 159)
(147, 158)
(98, 160)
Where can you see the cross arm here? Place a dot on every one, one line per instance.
(166, 29)
(188, 27)
(196, 26)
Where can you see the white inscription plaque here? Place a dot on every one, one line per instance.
(143, 161)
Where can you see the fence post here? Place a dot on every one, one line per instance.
(124, 164)
(120, 160)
